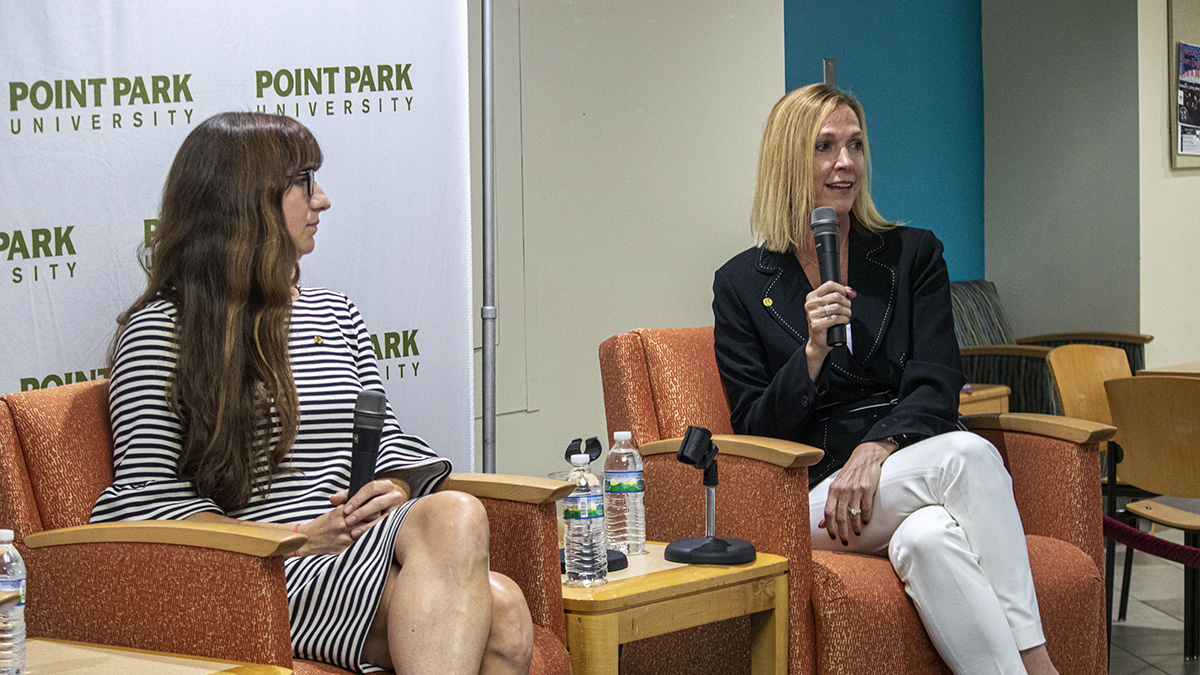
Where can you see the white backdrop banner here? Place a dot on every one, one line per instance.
(97, 97)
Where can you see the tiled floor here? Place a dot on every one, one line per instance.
(1150, 640)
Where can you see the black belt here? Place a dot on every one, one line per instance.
(877, 400)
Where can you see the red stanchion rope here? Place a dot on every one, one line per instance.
(1144, 541)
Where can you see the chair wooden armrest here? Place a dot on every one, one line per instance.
(204, 589)
(785, 454)
(1030, 351)
(1131, 338)
(1083, 432)
(248, 539)
(524, 539)
(527, 489)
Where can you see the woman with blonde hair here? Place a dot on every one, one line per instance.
(899, 478)
(232, 394)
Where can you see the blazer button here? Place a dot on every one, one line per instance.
(803, 401)
(767, 302)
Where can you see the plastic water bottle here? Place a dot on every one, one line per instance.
(12, 615)
(583, 513)
(624, 486)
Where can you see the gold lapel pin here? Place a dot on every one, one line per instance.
(318, 339)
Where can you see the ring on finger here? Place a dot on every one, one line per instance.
(826, 311)
(855, 512)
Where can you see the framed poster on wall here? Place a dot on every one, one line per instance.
(1183, 39)
(1187, 116)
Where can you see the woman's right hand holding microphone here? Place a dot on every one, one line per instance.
(825, 307)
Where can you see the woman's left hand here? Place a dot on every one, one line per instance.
(854, 488)
(371, 503)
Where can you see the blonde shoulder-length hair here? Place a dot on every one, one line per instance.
(783, 194)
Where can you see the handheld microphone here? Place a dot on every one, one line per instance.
(369, 412)
(825, 233)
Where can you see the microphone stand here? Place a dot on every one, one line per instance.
(710, 549)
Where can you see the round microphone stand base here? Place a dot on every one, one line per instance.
(710, 551)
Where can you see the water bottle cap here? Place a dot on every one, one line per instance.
(6, 536)
(622, 436)
(582, 459)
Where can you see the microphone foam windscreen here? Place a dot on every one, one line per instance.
(823, 218)
(370, 408)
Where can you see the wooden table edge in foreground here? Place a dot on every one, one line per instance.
(623, 610)
(40, 651)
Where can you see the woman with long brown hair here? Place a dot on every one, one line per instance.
(232, 394)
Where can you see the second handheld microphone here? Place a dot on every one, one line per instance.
(369, 412)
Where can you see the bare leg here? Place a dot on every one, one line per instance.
(1037, 661)
(435, 615)
(510, 642)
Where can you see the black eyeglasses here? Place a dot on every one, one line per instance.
(309, 178)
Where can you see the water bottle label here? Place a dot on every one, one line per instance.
(14, 585)
(583, 507)
(624, 481)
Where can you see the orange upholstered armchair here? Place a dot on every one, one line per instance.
(198, 588)
(848, 613)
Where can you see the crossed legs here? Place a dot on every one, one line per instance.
(442, 612)
(945, 517)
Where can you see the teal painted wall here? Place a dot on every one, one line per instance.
(917, 68)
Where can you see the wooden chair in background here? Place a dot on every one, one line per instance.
(1158, 431)
(1079, 373)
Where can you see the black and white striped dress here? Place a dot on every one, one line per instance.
(331, 599)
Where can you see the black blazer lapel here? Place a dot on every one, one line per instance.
(873, 276)
(784, 292)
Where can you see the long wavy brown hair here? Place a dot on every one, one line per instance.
(222, 254)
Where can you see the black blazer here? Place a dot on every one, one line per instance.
(904, 376)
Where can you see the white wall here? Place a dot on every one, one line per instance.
(1169, 207)
(1061, 163)
(627, 136)
(1087, 225)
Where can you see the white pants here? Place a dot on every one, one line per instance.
(945, 516)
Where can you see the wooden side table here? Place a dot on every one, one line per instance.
(653, 596)
(44, 656)
(984, 399)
